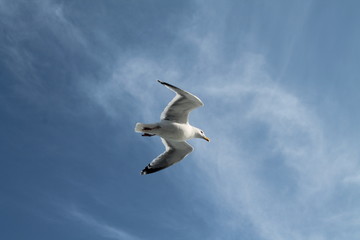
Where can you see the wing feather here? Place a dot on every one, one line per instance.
(174, 152)
(180, 106)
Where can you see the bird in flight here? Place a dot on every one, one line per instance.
(173, 129)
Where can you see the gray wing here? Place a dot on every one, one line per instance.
(174, 152)
(182, 104)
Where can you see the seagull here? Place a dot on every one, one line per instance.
(173, 129)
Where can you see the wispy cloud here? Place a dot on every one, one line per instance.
(352, 179)
(131, 77)
(101, 228)
(270, 162)
(282, 179)
(29, 28)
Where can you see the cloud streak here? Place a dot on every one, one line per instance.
(270, 162)
(132, 79)
(29, 28)
(101, 228)
(284, 179)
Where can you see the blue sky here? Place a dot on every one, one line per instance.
(279, 80)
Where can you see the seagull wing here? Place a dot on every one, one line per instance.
(182, 104)
(174, 152)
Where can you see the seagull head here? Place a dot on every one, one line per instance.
(200, 134)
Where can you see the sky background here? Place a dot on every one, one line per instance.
(279, 80)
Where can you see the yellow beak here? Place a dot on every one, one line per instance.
(207, 139)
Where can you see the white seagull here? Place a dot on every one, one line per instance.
(174, 129)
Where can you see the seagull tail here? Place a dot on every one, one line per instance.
(139, 127)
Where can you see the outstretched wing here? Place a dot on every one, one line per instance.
(174, 152)
(182, 104)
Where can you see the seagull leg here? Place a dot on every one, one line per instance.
(148, 135)
(149, 129)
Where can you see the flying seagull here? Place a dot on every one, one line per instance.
(174, 129)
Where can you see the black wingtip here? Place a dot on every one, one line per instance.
(167, 84)
(149, 170)
(145, 170)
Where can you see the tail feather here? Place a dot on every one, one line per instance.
(146, 128)
(139, 127)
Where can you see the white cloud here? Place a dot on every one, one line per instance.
(270, 160)
(27, 27)
(131, 78)
(305, 167)
(292, 147)
(101, 228)
(352, 179)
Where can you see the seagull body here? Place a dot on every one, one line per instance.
(174, 129)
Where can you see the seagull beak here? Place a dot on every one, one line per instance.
(207, 139)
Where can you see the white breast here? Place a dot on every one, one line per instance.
(175, 131)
